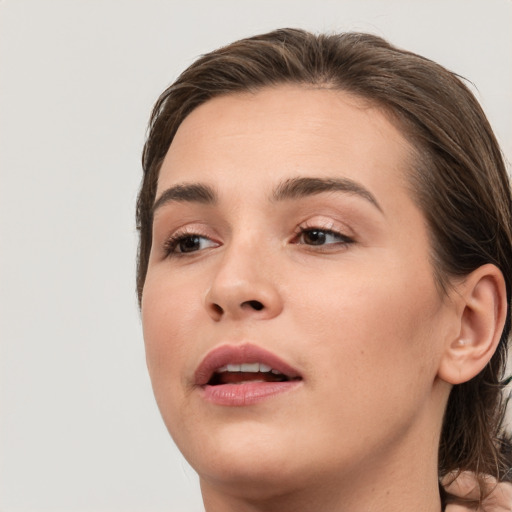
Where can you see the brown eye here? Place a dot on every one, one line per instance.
(314, 237)
(183, 243)
(322, 237)
(189, 244)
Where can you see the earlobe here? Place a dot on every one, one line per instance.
(482, 312)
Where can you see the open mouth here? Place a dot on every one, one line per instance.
(242, 375)
(247, 372)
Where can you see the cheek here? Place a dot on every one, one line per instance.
(373, 325)
(373, 361)
(169, 314)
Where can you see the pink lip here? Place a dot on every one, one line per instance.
(246, 393)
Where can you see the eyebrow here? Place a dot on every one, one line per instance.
(293, 188)
(186, 192)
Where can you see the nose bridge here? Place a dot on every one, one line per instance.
(243, 284)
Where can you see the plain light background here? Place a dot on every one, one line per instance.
(79, 429)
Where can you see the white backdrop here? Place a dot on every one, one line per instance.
(79, 429)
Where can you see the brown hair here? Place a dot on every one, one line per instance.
(459, 181)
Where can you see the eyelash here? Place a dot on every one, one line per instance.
(173, 242)
(344, 240)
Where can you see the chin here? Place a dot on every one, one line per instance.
(259, 480)
(248, 456)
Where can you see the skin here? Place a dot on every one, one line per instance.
(498, 496)
(362, 321)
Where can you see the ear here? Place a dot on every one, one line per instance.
(481, 312)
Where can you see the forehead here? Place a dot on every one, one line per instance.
(285, 131)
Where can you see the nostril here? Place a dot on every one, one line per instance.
(217, 309)
(254, 304)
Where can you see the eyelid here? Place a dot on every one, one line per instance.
(170, 242)
(331, 227)
(326, 225)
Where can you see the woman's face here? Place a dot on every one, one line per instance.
(285, 234)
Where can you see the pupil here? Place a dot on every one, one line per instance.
(315, 237)
(189, 244)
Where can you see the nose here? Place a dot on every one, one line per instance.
(243, 286)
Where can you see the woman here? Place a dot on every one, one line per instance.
(325, 276)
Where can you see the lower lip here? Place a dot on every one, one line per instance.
(246, 393)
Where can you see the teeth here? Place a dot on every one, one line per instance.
(247, 367)
(250, 367)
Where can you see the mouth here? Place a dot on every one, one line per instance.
(246, 372)
(238, 375)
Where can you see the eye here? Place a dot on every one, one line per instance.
(317, 236)
(181, 243)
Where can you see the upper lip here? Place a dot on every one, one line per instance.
(238, 354)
